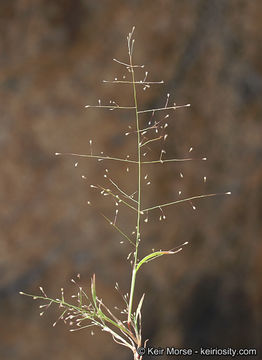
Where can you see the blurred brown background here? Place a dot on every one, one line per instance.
(53, 57)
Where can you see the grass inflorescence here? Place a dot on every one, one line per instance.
(89, 309)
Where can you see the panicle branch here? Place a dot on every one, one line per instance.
(184, 200)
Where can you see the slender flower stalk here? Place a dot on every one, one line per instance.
(133, 280)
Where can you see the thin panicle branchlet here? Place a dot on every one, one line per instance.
(90, 310)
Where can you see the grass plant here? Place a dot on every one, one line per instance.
(89, 310)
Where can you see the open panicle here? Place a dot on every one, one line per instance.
(149, 130)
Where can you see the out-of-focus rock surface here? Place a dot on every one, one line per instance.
(53, 57)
